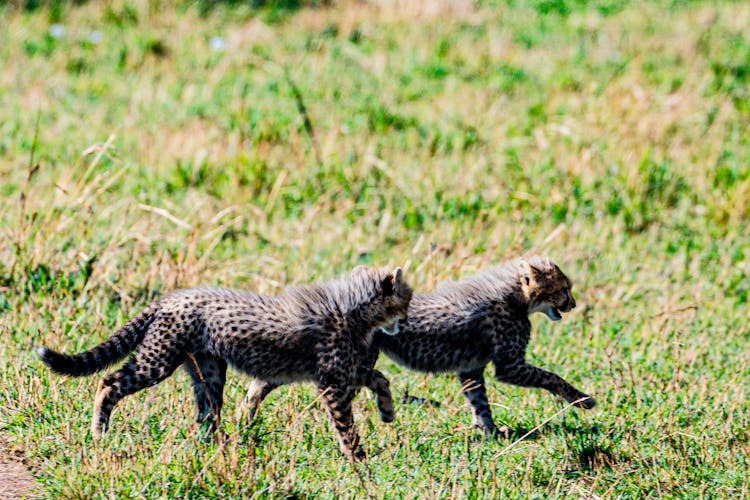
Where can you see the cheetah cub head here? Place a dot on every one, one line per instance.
(545, 287)
(396, 295)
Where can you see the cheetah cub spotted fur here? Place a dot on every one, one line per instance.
(467, 324)
(317, 332)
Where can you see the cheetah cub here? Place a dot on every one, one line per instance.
(317, 332)
(467, 324)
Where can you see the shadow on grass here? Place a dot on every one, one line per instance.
(589, 447)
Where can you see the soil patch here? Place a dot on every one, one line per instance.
(15, 479)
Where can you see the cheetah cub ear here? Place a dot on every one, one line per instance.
(393, 282)
(527, 275)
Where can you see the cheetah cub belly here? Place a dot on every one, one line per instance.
(465, 325)
(318, 332)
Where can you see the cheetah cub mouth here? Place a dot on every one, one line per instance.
(555, 312)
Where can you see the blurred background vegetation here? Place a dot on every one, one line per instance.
(146, 146)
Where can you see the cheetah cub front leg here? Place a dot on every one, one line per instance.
(338, 401)
(523, 374)
(475, 392)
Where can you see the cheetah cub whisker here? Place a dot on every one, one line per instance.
(316, 332)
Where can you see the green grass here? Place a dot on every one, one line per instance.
(447, 136)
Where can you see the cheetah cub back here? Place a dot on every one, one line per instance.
(316, 332)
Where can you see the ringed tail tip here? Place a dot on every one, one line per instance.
(53, 360)
(43, 353)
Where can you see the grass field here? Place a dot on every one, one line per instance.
(146, 146)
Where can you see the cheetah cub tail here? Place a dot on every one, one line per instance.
(115, 348)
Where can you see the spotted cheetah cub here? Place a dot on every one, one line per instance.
(317, 332)
(465, 325)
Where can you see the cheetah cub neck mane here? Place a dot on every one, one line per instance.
(528, 285)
